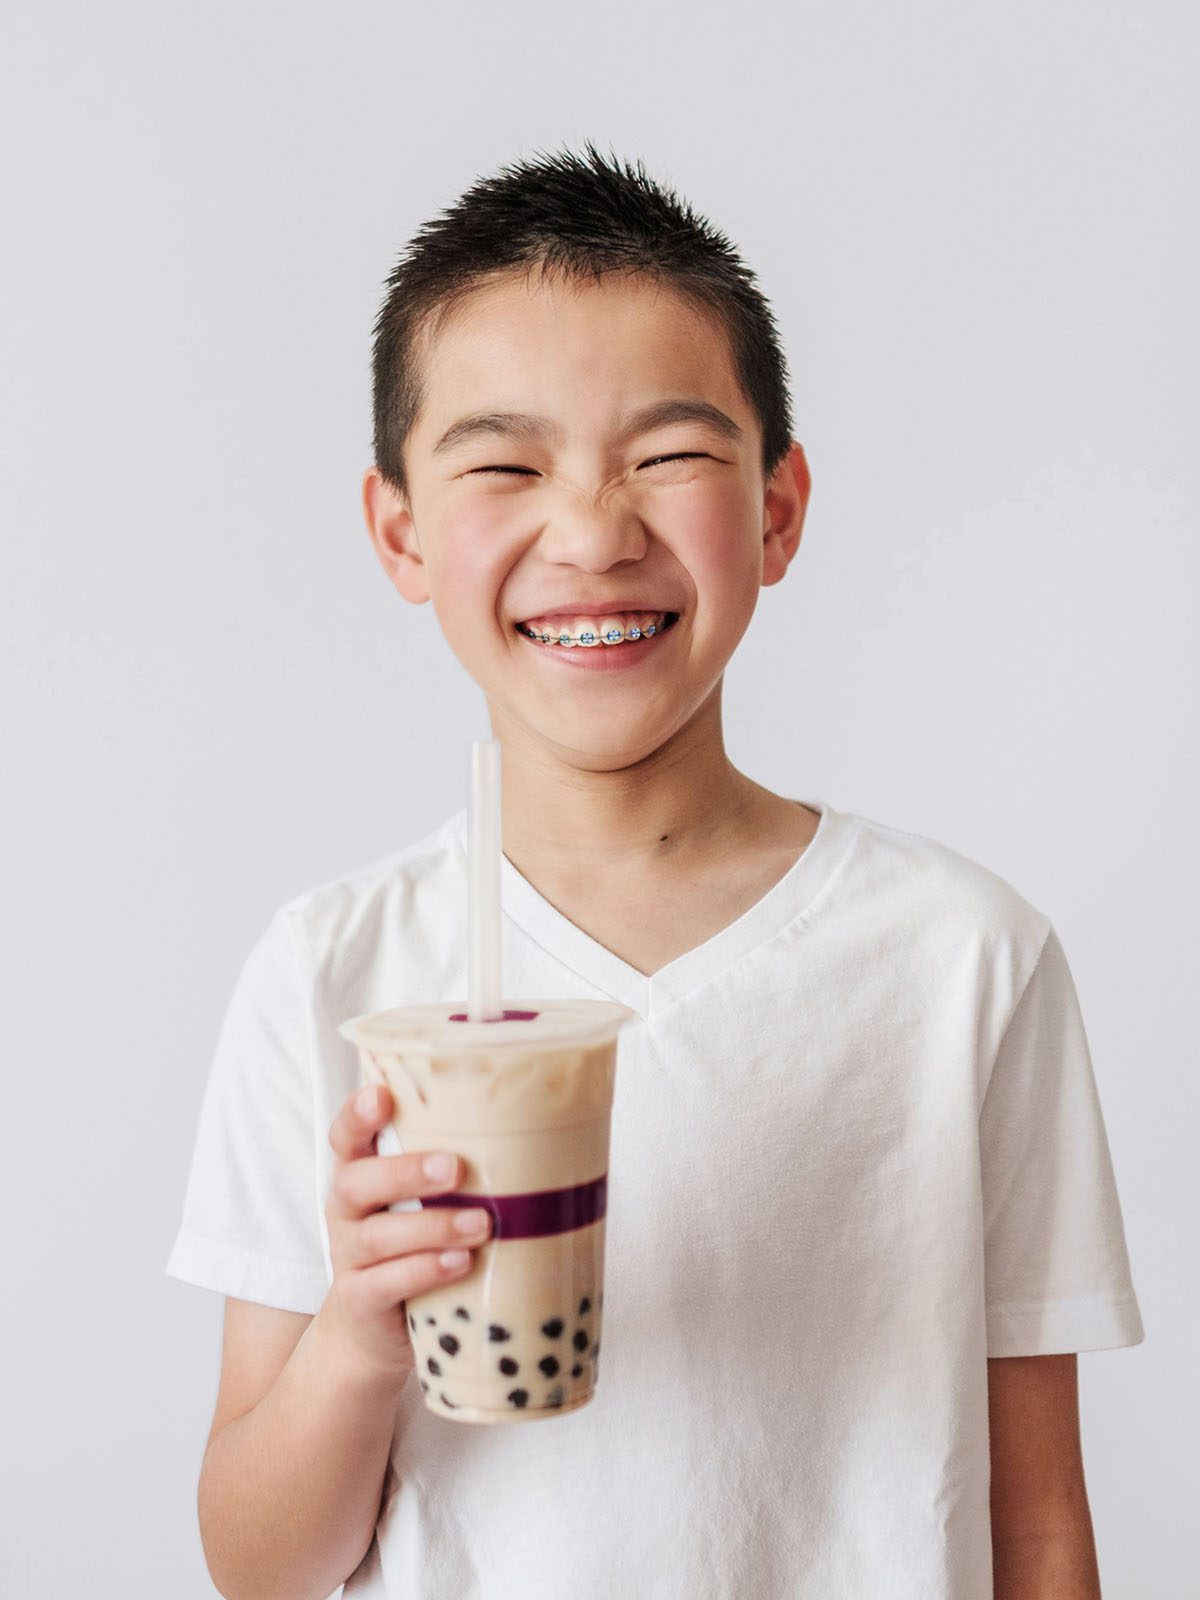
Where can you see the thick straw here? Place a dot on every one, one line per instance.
(483, 860)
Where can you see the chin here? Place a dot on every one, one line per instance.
(602, 752)
(617, 753)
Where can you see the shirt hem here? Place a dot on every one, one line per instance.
(246, 1274)
(1059, 1327)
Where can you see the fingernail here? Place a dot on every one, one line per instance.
(439, 1167)
(367, 1103)
(453, 1260)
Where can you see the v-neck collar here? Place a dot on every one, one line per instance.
(786, 900)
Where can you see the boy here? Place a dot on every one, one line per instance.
(862, 1211)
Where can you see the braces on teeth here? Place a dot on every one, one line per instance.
(587, 637)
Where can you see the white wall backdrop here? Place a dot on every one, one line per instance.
(978, 228)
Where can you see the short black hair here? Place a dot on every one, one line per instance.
(575, 216)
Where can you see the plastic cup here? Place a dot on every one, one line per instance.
(526, 1103)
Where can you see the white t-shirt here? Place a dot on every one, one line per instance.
(856, 1150)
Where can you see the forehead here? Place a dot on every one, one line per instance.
(582, 348)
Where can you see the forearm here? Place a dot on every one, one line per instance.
(289, 1492)
(1054, 1566)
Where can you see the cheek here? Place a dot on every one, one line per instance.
(723, 551)
(468, 559)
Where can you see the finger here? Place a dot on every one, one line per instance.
(352, 1132)
(372, 1183)
(385, 1235)
(380, 1288)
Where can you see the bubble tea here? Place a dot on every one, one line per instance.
(525, 1101)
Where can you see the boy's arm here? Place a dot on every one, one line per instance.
(293, 1473)
(1042, 1542)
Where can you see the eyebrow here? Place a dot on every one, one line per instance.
(524, 428)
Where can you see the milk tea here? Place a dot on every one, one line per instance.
(526, 1103)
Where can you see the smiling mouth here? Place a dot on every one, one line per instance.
(589, 633)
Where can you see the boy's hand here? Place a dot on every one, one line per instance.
(381, 1257)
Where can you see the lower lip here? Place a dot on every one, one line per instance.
(603, 657)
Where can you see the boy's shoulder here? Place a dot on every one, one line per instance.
(388, 890)
(931, 880)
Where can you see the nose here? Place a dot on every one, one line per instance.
(593, 538)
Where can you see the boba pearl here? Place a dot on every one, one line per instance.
(578, 1357)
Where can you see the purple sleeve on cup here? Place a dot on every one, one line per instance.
(533, 1216)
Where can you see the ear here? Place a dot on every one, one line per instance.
(785, 500)
(394, 535)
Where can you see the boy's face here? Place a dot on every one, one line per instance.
(594, 516)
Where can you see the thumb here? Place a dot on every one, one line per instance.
(373, 1105)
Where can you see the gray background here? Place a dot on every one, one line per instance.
(978, 228)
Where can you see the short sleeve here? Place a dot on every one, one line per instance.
(1056, 1268)
(251, 1225)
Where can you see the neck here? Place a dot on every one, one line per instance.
(683, 798)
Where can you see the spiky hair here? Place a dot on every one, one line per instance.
(572, 216)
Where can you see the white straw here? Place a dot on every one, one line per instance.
(484, 1003)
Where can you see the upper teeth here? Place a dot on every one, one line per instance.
(589, 631)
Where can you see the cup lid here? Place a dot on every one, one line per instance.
(445, 1025)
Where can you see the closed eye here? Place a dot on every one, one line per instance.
(685, 455)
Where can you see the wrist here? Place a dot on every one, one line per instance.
(350, 1368)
